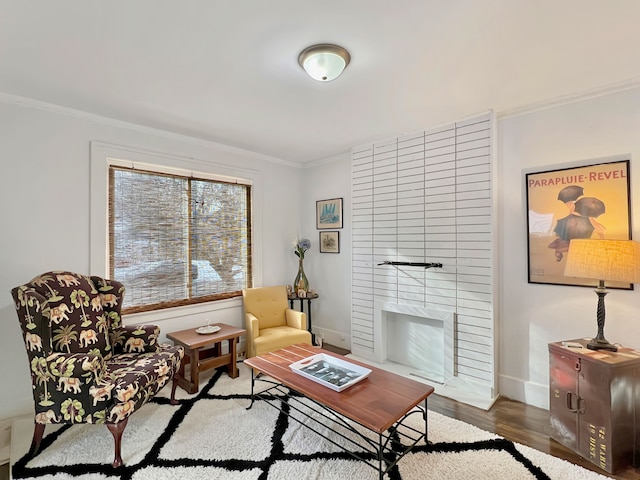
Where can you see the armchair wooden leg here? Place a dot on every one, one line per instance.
(116, 430)
(174, 385)
(38, 432)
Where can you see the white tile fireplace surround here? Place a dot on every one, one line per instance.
(420, 343)
(420, 200)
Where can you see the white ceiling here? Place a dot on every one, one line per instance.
(227, 71)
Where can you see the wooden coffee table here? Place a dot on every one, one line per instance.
(203, 352)
(381, 403)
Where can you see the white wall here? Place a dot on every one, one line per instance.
(329, 273)
(532, 315)
(45, 213)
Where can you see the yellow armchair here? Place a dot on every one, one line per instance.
(270, 323)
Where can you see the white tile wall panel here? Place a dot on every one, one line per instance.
(364, 295)
(427, 196)
(441, 139)
(469, 341)
(441, 200)
(386, 190)
(439, 179)
(481, 122)
(383, 219)
(384, 176)
(361, 325)
(469, 142)
(363, 334)
(482, 325)
(473, 203)
(470, 312)
(385, 158)
(361, 157)
(473, 195)
(406, 148)
(470, 270)
(464, 135)
(474, 262)
(471, 170)
(361, 271)
(410, 140)
(361, 163)
(482, 348)
(473, 223)
(362, 338)
(477, 372)
(473, 161)
(440, 159)
(385, 208)
(475, 287)
(474, 360)
(379, 148)
(409, 162)
(473, 305)
(475, 356)
(411, 202)
(411, 222)
(478, 177)
(408, 212)
(414, 183)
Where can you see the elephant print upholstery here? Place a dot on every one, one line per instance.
(86, 367)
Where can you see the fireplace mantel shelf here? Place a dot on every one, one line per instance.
(412, 264)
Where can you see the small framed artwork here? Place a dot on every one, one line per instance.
(585, 201)
(330, 242)
(329, 213)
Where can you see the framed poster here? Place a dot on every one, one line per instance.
(581, 202)
(330, 242)
(329, 213)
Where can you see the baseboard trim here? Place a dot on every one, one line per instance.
(531, 393)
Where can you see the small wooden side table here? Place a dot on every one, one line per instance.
(205, 351)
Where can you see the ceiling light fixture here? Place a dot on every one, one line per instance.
(324, 62)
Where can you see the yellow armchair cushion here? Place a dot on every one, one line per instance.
(271, 339)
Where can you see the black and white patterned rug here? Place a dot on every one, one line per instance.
(212, 435)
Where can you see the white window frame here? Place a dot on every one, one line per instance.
(103, 155)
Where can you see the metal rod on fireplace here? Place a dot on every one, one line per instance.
(412, 264)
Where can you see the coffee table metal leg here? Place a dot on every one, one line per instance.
(426, 423)
(380, 457)
(253, 382)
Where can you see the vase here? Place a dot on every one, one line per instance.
(301, 282)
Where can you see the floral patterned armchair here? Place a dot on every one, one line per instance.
(86, 367)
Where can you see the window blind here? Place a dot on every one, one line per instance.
(177, 239)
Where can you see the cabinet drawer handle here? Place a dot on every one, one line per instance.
(570, 406)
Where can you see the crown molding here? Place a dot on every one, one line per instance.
(629, 84)
(112, 122)
(340, 157)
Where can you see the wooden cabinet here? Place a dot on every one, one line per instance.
(594, 401)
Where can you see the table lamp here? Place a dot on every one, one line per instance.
(605, 261)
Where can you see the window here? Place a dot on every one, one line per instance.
(177, 239)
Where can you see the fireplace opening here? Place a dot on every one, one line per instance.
(418, 343)
(420, 340)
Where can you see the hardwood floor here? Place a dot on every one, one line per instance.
(515, 421)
